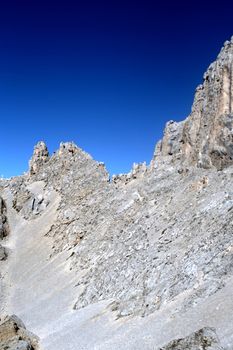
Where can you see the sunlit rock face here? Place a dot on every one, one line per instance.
(40, 156)
(136, 261)
(205, 138)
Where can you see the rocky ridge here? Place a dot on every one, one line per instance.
(157, 237)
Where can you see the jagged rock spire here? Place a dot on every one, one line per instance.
(39, 157)
(205, 138)
(67, 147)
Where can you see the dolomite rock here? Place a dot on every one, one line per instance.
(4, 228)
(22, 196)
(205, 138)
(138, 171)
(204, 339)
(145, 229)
(3, 254)
(133, 262)
(14, 336)
(170, 147)
(40, 156)
(67, 148)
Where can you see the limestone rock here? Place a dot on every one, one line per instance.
(40, 156)
(67, 148)
(155, 244)
(21, 197)
(205, 138)
(204, 339)
(137, 172)
(4, 227)
(169, 149)
(14, 336)
(17, 344)
(3, 254)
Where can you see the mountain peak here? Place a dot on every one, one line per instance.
(205, 138)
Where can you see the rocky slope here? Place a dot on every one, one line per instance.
(135, 261)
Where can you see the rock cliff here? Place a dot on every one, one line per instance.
(133, 261)
(203, 339)
(204, 139)
(14, 336)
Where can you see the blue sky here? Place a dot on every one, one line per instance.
(104, 74)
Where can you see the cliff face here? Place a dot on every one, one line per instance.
(135, 261)
(205, 139)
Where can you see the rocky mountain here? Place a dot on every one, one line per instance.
(138, 261)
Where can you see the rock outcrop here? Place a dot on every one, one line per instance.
(3, 254)
(91, 257)
(205, 138)
(203, 339)
(138, 171)
(4, 227)
(40, 156)
(14, 336)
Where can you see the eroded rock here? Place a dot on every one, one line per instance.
(3, 253)
(4, 227)
(205, 138)
(204, 339)
(39, 158)
(155, 239)
(14, 336)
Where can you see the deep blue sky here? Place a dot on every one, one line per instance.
(105, 74)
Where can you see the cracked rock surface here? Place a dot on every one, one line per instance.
(14, 336)
(203, 339)
(133, 261)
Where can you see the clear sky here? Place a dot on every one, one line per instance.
(104, 74)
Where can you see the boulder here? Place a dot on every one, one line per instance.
(14, 336)
(205, 338)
